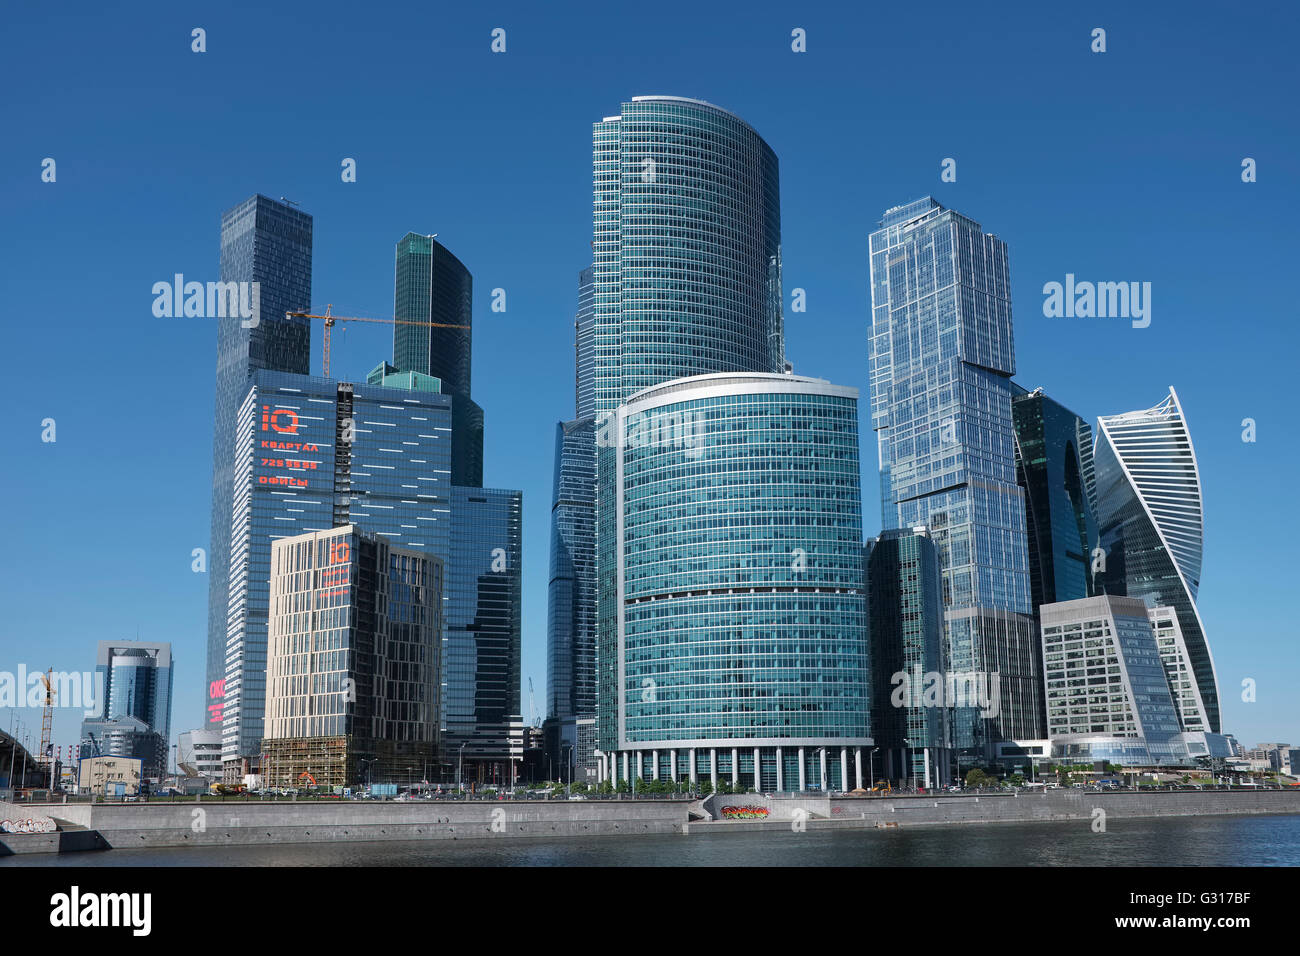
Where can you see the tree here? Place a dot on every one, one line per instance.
(976, 778)
(706, 787)
(1016, 780)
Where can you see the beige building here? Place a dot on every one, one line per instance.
(353, 661)
(110, 776)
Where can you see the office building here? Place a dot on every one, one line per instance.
(941, 360)
(1107, 696)
(1149, 514)
(686, 280)
(134, 715)
(198, 753)
(905, 613)
(313, 454)
(740, 633)
(353, 660)
(482, 709)
(432, 285)
(571, 619)
(1054, 468)
(269, 243)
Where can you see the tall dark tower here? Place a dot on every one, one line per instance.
(269, 243)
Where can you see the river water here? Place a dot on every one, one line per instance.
(1272, 840)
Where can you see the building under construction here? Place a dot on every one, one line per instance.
(353, 661)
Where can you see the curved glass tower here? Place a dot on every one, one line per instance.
(1150, 519)
(741, 648)
(687, 247)
(686, 280)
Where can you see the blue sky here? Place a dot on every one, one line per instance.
(1120, 166)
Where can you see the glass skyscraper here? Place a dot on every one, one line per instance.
(482, 710)
(905, 615)
(432, 285)
(740, 646)
(571, 624)
(1054, 467)
(269, 243)
(134, 713)
(312, 454)
(1149, 512)
(686, 281)
(571, 617)
(941, 359)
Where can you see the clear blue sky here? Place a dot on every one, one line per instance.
(1117, 166)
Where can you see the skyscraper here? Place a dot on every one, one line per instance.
(1149, 517)
(354, 656)
(134, 716)
(905, 613)
(432, 285)
(571, 620)
(687, 247)
(571, 617)
(941, 360)
(687, 281)
(739, 647)
(1054, 467)
(312, 454)
(481, 700)
(269, 243)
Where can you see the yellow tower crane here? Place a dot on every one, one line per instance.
(46, 758)
(329, 320)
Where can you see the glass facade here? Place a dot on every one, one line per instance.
(1104, 679)
(687, 241)
(1053, 454)
(941, 355)
(1178, 669)
(584, 327)
(1149, 514)
(432, 285)
(134, 714)
(905, 614)
(355, 651)
(312, 454)
(686, 280)
(270, 243)
(571, 625)
(482, 710)
(741, 615)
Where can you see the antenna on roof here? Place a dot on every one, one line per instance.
(289, 201)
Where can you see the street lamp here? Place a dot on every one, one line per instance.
(460, 763)
(871, 767)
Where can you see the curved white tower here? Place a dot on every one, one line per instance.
(1149, 515)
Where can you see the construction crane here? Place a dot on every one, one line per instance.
(532, 704)
(47, 724)
(329, 320)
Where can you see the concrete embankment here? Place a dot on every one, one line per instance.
(939, 809)
(234, 823)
